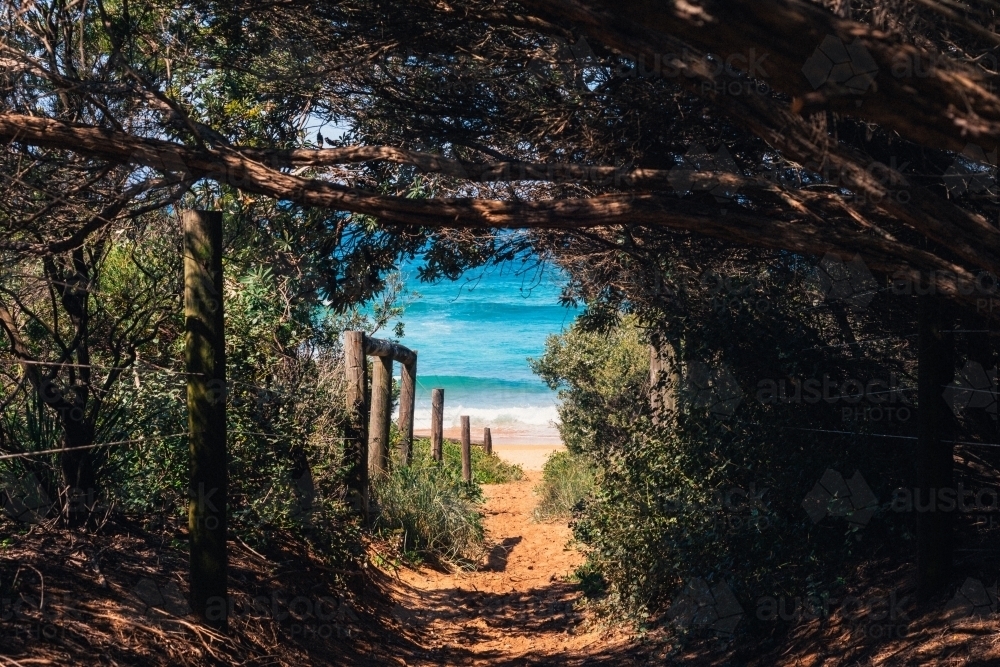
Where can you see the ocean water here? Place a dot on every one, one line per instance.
(473, 337)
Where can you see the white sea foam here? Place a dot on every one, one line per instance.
(507, 418)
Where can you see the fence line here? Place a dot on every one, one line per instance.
(877, 435)
(23, 455)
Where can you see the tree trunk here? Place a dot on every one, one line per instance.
(934, 456)
(664, 378)
(79, 479)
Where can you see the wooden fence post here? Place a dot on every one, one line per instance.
(466, 451)
(407, 397)
(356, 436)
(378, 426)
(487, 440)
(205, 364)
(437, 422)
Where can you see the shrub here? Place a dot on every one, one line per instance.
(433, 510)
(704, 495)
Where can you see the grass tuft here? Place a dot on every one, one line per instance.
(432, 511)
(435, 514)
(567, 479)
(486, 468)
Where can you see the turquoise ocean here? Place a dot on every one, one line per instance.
(473, 337)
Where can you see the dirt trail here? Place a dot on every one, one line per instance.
(518, 608)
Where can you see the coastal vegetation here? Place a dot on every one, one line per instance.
(432, 512)
(777, 220)
(567, 481)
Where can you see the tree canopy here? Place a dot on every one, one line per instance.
(550, 115)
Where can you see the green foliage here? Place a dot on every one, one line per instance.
(590, 580)
(285, 390)
(433, 511)
(486, 468)
(704, 495)
(598, 374)
(567, 481)
(284, 421)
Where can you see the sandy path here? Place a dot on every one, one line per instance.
(518, 608)
(529, 457)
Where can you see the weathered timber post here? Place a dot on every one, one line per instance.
(356, 436)
(466, 451)
(205, 364)
(378, 426)
(935, 456)
(437, 422)
(487, 440)
(407, 398)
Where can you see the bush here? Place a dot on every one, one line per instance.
(433, 510)
(707, 496)
(567, 480)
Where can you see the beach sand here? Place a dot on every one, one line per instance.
(529, 457)
(525, 448)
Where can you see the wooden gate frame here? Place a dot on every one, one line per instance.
(368, 430)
